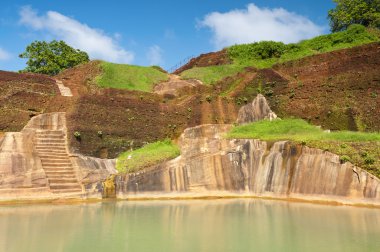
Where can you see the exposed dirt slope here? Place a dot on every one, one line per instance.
(338, 90)
(23, 96)
(208, 59)
(130, 118)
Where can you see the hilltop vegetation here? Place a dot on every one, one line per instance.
(267, 53)
(362, 149)
(129, 77)
(51, 57)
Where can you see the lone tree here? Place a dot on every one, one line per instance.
(51, 58)
(348, 12)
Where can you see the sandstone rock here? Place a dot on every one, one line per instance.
(38, 158)
(211, 165)
(256, 111)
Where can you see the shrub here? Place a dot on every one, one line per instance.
(77, 135)
(209, 98)
(369, 160)
(258, 50)
(344, 159)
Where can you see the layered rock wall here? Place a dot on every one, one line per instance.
(211, 164)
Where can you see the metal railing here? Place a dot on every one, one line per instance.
(180, 64)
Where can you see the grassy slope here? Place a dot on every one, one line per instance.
(251, 54)
(129, 77)
(211, 74)
(146, 156)
(362, 149)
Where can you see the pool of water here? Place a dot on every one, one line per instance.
(209, 225)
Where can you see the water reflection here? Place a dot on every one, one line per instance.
(219, 225)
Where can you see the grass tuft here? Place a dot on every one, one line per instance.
(148, 155)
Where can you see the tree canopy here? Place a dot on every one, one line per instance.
(52, 57)
(348, 12)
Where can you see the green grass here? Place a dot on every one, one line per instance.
(361, 149)
(148, 155)
(210, 75)
(267, 53)
(129, 77)
(296, 130)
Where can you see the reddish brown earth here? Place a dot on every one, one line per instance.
(23, 96)
(208, 59)
(131, 118)
(338, 90)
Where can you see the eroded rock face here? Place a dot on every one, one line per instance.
(256, 111)
(209, 163)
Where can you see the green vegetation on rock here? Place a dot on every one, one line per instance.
(150, 154)
(297, 130)
(267, 53)
(51, 57)
(129, 77)
(362, 149)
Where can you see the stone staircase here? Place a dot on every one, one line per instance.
(65, 91)
(51, 148)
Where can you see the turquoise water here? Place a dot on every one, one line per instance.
(215, 225)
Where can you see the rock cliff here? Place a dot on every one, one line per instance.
(212, 165)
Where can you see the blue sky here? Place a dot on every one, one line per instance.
(154, 32)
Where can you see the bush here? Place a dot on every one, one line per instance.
(369, 160)
(259, 50)
(77, 135)
(344, 159)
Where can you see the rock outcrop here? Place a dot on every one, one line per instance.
(212, 165)
(37, 159)
(256, 111)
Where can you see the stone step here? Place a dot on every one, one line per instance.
(66, 190)
(50, 141)
(51, 136)
(49, 151)
(62, 180)
(60, 176)
(54, 158)
(49, 162)
(62, 154)
(50, 148)
(59, 169)
(62, 145)
(45, 131)
(65, 186)
(53, 174)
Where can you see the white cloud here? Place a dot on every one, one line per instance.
(97, 44)
(256, 24)
(4, 55)
(154, 55)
